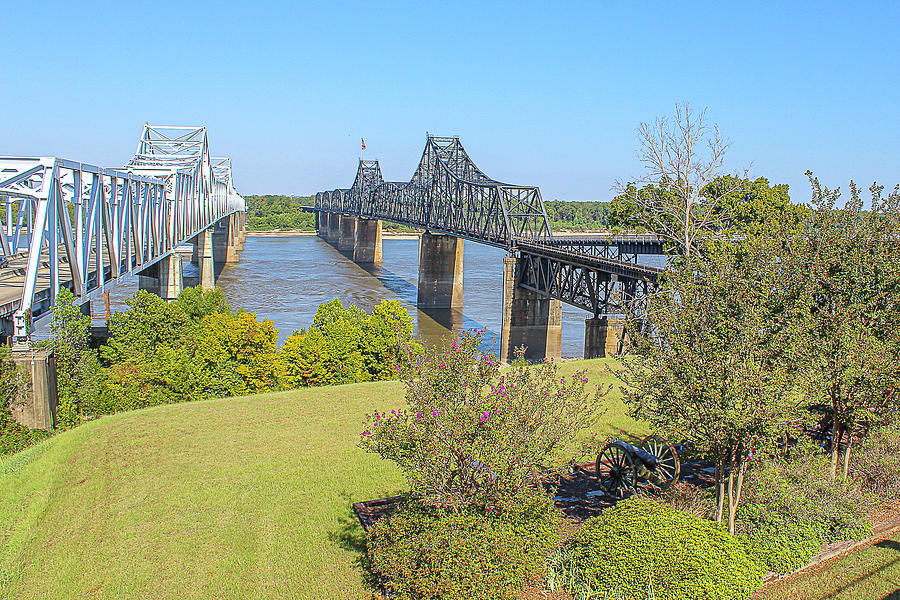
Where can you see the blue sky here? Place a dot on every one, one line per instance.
(546, 94)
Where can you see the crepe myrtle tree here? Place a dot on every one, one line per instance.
(471, 434)
(847, 270)
(711, 362)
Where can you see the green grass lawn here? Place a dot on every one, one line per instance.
(236, 498)
(871, 573)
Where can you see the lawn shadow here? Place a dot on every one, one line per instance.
(350, 536)
(895, 595)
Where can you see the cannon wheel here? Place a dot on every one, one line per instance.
(669, 467)
(616, 471)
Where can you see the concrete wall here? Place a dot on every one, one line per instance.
(37, 408)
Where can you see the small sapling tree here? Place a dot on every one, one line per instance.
(471, 434)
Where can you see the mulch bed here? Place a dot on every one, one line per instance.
(577, 493)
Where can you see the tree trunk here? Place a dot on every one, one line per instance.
(735, 499)
(720, 489)
(846, 466)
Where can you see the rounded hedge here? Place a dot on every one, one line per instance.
(641, 548)
(424, 552)
(780, 544)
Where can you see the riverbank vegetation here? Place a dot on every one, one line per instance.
(195, 348)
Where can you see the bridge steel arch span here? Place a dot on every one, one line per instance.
(80, 226)
(450, 197)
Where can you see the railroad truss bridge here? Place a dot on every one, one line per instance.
(451, 199)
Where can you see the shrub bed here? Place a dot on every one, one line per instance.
(423, 552)
(641, 548)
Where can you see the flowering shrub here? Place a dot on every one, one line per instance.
(471, 434)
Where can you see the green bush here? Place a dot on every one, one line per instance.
(641, 548)
(423, 552)
(775, 541)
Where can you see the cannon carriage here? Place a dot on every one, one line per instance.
(622, 467)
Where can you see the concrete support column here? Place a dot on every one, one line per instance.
(206, 259)
(440, 271)
(233, 239)
(172, 276)
(36, 409)
(334, 228)
(164, 278)
(348, 233)
(367, 246)
(148, 279)
(603, 337)
(529, 319)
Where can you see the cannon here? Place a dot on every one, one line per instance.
(621, 466)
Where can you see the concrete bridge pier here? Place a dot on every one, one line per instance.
(440, 271)
(367, 244)
(206, 259)
(164, 278)
(347, 239)
(529, 319)
(334, 228)
(603, 337)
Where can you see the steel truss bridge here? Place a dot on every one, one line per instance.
(449, 194)
(80, 226)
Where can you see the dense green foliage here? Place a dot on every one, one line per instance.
(735, 206)
(877, 462)
(424, 552)
(793, 508)
(471, 435)
(847, 282)
(345, 345)
(714, 366)
(577, 216)
(643, 549)
(265, 213)
(196, 347)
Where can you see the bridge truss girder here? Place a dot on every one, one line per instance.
(81, 226)
(446, 194)
(604, 288)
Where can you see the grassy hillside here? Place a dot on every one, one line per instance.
(236, 498)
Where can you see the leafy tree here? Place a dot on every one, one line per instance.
(197, 302)
(345, 345)
(239, 352)
(711, 357)
(847, 268)
(79, 378)
(265, 213)
(149, 323)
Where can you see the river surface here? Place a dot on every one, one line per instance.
(286, 279)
